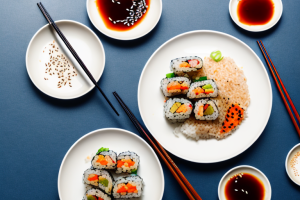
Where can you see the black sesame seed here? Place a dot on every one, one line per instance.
(229, 126)
(224, 126)
(232, 117)
(232, 105)
(239, 118)
(227, 115)
(236, 109)
(223, 130)
(232, 113)
(227, 120)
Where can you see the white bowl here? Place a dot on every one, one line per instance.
(244, 169)
(256, 28)
(148, 23)
(289, 171)
(86, 44)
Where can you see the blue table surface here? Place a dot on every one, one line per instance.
(37, 130)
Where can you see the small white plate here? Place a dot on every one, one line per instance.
(202, 43)
(86, 44)
(256, 28)
(70, 184)
(288, 168)
(244, 169)
(148, 23)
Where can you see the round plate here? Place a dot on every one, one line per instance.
(86, 44)
(256, 28)
(70, 184)
(202, 43)
(288, 168)
(244, 169)
(148, 23)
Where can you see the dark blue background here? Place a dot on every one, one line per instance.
(37, 130)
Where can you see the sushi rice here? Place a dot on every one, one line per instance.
(127, 162)
(175, 86)
(95, 194)
(128, 187)
(177, 116)
(107, 158)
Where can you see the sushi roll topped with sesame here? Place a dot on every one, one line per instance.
(128, 187)
(105, 159)
(95, 194)
(206, 109)
(172, 86)
(127, 162)
(186, 64)
(203, 88)
(178, 109)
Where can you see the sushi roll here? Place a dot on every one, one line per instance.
(127, 162)
(105, 159)
(202, 89)
(177, 109)
(186, 64)
(95, 194)
(128, 187)
(99, 178)
(175, 86)
(206, 109)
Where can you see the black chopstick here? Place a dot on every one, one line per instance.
(183, 182)
(284, 94)
(64, 39)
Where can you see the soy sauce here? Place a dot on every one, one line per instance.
(255, 12)
(114, 12)
(244, 186)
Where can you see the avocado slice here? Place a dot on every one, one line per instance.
(91, 197)
(209, 110)
(175, 107)
(207, 86)
(103, 181)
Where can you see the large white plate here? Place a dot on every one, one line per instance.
(148, 23)
(86, 44)
(70, 184)
(202, 43)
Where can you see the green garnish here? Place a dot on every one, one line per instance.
(134, 171)
(104, 182)
(216, 56)
(170, 75)
(202, 78)
(102, 149)
(91, 197)
(207, 86)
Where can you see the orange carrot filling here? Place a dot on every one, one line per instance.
(92, 177)
(102, 160)
(198, 91)
(233, 118)
(184, 64)
(127, 188)
(122, 162)
(182, 108)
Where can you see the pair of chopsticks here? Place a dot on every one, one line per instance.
(183, 182)
(64, 39)
(284, 94)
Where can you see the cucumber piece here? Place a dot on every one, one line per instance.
(170, 75)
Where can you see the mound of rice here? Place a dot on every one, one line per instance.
(233, 89)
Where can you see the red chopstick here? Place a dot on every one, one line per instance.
(294, 115)
(183, 182)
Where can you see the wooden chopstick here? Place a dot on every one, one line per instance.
(64, 39)
(183, 182)
(281, 87)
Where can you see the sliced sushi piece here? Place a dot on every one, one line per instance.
(175, 86)
(206, 109)
(105, 159)
(128, 187)
(127, 162)
(186, 64)
(202, 89)
(99, 178)
(95, 194)
(177, 109)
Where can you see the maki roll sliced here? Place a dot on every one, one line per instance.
(95, 194)
(174, 86)
(127, 162)
(128, 187)
(202, 89)
(177, 109)
(99, 178)
(206, 109)
(105, 159)
(186, 64)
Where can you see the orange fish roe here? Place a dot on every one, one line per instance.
(234, 117)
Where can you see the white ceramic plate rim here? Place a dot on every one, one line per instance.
(129, 38)
(250, 28)
(245, 166)
(223, 34)
(103, 130)
(286, 163)
(96, 78)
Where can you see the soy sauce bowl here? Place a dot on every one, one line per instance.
(151, 19)
(288, 167)
(244, 169)
(233, 4)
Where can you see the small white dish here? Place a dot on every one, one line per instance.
(244, 169)
(256, 28)
(288, 167)
(70, 185)
(86, 44)
(149, 22)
